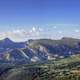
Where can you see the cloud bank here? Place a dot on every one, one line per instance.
(19, 35)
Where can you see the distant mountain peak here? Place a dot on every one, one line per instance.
(70, 39)
(64, 38)
(7, 40)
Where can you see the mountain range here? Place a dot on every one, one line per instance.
(38, 50)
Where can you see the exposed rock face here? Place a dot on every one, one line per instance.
(38, 50)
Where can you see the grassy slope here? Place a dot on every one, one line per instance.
(64, 69)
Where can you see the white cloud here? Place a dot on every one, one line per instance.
(38, 32)
(76, 30)
(21, 34)
(54, 27)
(40, 29)
(60, 32)
(33, 29)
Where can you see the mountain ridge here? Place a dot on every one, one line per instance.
(38, 49)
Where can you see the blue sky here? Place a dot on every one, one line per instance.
(44, 14)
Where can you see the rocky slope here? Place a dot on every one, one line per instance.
(39, 50)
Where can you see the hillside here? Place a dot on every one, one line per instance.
(62, 69)
(38, 50)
